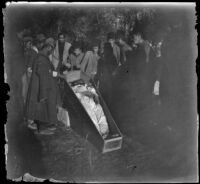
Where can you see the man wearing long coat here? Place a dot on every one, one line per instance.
(43, 92)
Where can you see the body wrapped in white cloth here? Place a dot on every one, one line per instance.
(89, 99)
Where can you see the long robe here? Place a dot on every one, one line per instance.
(42, 86)
(30, 58)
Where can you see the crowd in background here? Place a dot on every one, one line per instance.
(47, 59)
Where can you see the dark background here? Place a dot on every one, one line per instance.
(160, 141)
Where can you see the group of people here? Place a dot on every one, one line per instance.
(47, 59)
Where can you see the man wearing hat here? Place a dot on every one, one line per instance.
(41, 103)
(36, 46)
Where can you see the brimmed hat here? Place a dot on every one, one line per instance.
(50, 41)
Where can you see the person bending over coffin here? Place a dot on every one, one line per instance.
(76, 57)
(43, 98)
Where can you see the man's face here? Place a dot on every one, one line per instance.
(40, 45)
(77, 51)
(96, 49)
(111, 41)
(61, 39)
(49, 50)
(120, 41)
(137, 39)
(28, 45)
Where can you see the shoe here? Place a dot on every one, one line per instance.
(68, 128)
(32, 126)
(51, 128)
(46, 132)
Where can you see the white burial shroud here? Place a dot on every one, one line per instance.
(93, 109)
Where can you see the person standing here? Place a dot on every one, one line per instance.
(125, 53)
(108, 66)
(29, 53)
(43, 98)
(35, 49)
(61, 52)
(140, 62)
(115, 47)
(90, 60)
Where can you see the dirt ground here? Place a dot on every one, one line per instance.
(159, 139)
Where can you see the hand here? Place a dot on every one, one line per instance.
(156, 88)
(61, 76)
(65, 72)
(29, 69)
(55, 74)
(67, 65)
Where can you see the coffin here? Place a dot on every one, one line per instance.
(84, 126)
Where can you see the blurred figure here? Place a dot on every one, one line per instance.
(158, 65)
(116, 49)
(125, 53)
(139, 62)
(90, 61)
(124, 47)
(29, 55)
(108, 66)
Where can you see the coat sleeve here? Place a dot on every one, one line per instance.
(44, 79)
(147, 51)
(66, 53)
(32, 58)
(85, 62)
(118, 54)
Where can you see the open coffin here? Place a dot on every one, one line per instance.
(83, 124)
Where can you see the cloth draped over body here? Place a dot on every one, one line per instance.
(86, 95)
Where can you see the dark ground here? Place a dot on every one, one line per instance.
(160, 141)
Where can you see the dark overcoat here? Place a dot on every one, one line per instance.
(42, 86)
